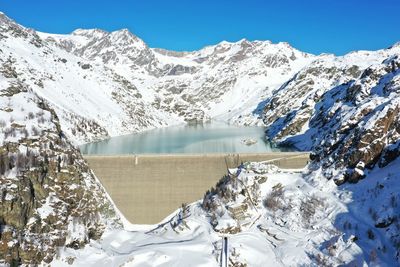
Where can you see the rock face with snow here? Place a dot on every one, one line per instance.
(344, 109)
(362, 122)
(49, 196)
(302, 219)
(348, 115)
(279, 211)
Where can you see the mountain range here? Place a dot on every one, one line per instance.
(59, 91)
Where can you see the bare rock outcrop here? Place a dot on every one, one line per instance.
(350, 122)
(49, 196)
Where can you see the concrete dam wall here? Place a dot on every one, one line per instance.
(147, 188)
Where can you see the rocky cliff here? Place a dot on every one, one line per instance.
(49, 196)
(347, 114)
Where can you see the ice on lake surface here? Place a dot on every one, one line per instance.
(213, 137)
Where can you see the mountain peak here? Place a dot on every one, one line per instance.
(285, 45)
(4, 19)
(124, 33)
(90, 32)
(125, 37)
(395, 45)
(3, 15)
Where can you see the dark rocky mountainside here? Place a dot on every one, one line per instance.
(347, 115)
(49, 196)
(352, 126)
(360, 122)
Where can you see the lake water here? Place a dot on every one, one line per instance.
(214, 137)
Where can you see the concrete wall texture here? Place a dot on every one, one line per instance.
(147, 188)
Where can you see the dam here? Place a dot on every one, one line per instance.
(148, 187)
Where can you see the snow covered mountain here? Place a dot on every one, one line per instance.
(105, 84)
(195, 85)
(344, 109)
(49, 196)
(91, 101)
(348, 116)
(61, 90)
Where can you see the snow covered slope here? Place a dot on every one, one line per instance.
(347, 114)
(92, 101)
(270, 217)
(105, 84)
(349, 117)
(218, 81)
(49, 196)
(288, 112)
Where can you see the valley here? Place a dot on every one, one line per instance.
(103, 94)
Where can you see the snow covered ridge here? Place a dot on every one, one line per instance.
(91, 100)
(347, 115)
(105, 84)
(49, 196)
(111, 83)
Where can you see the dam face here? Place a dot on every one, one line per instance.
(147, 188)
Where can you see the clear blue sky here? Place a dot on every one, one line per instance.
(316, 26)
